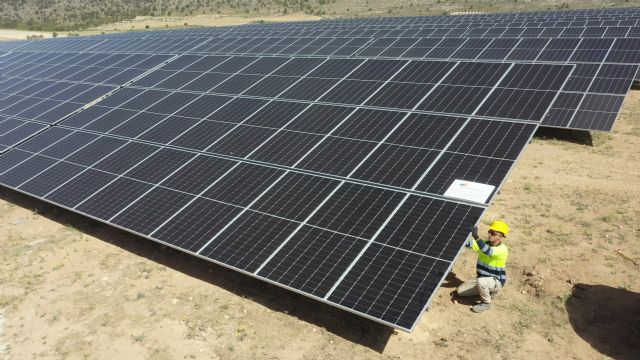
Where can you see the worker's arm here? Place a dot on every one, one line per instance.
(479, 246)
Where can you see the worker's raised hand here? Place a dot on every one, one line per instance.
(474, 233)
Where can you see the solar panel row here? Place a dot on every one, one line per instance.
(504, 31)
(580, 106)
(575, 50)
(591, 23)
(296, 230)
(318, 198)
(590, 109)
(234, 126)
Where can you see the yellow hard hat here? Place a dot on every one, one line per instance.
(500, 226)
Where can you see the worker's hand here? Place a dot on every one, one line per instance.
(474, 233)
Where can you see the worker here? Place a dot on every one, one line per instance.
(491, 266)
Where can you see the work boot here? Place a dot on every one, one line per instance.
(480, 307)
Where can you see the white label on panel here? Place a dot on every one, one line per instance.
(468, 190)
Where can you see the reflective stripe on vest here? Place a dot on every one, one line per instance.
(492, 260)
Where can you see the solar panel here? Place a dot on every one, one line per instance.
(13, 131)
(97, 68)
(40, 89)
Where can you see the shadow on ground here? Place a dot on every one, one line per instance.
(581, 137)
(341, 323)
(607, 318)
(452, 281)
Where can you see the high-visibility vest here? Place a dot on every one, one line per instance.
(492, 260)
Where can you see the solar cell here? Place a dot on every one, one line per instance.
(160, 202)
(382, 284)
(50, 178)
(250, 239)
(112, 198)
(285, 147)
(191, 227)
(312, 260)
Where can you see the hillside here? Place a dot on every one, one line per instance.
(63, 15)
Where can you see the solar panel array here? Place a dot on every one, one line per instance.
(602, 52)
(314, 156)
(601, 44)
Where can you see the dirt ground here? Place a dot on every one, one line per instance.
(162, 22)
(7, 35)
(72, 288)
(155, 22)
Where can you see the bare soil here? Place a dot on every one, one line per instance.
(160, 22)
(73, 288)
(6, 34)
(142, 23)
